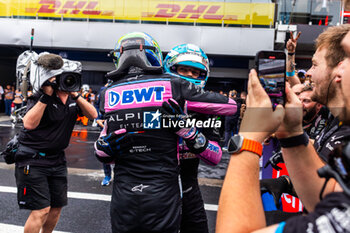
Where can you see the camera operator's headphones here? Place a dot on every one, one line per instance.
(338, 167)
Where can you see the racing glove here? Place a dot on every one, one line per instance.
(108, 147)
(194, 139)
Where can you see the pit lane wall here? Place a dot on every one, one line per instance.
(211, 12)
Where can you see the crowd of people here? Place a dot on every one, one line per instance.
(11, 99)
(155, 168)
(318, 169)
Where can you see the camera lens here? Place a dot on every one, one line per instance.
(69, 81)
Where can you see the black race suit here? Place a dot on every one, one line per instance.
(146, 193)
(194, 218)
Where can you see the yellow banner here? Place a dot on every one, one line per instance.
(145, 10)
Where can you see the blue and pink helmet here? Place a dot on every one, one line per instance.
(188, 55)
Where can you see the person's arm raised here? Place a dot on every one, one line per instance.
(240, 205)
(302, 161)
(33, 117)
(291, 48)
(87, 109)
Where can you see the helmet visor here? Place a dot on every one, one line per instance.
(191, 59)
(190, 71)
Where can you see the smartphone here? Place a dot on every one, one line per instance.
(271, 69)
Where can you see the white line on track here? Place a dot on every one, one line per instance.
(75, 130)
(92, 196)
(98, 173)
(6, 228)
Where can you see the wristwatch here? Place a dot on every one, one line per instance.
(238, 143)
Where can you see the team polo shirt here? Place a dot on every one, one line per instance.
(331, 136)
(55, 128)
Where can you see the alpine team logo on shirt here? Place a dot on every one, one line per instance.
(151, 120)
(136, 96)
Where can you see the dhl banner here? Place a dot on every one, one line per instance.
(145, 10)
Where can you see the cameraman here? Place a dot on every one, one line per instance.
(41, 170)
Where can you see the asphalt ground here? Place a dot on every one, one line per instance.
(88, 201)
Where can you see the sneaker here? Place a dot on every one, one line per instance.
(94, 124)
(106, 181)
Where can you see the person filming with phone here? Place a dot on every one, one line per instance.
(322, 186)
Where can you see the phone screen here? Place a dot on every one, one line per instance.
(271, 71)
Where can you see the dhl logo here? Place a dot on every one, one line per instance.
(188, 12)
(162, 10)
(69, 7)
(173, 11)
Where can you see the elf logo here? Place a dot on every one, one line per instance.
(136, 96)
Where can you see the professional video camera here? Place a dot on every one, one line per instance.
(44, 66)
(69, 81)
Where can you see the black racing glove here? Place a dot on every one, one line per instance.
(108, 147)
(194, 139)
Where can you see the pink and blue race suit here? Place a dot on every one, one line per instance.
(146, 193)
(194, 218)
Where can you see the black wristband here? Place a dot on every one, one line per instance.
(291, 54)
(302, 139)
(45, 99)
(76, 97)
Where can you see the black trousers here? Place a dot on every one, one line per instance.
(145, 207)
(194, 218)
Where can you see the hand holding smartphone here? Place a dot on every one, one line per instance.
(271, 69)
